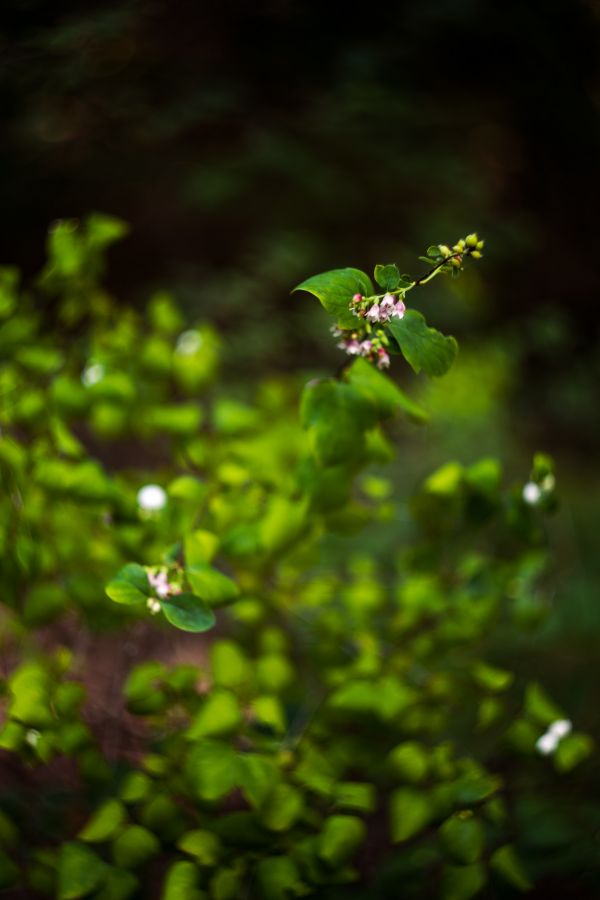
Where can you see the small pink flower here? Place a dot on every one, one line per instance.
(352, 348)
(399, 310)
(374, 313)
(366, 347)
(383, 360)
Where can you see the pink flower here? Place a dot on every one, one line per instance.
(366, 347)
(374, 313)
(399, 310)
(383, 360)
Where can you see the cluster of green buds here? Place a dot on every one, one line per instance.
(468, 246)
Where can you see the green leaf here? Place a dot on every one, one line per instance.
(212, 769)
(105, 821)
(130, 586)
(539, 705)
(463, 837)
(181, 881)
(277, 878)
(507, 863)
(258, 775)
(410, 761)
(219, 715)
(340, 838)
(423, 347)
(410, 811)
(572, 750)
(203, 845)
(492, 678)
(387, 277)
(188, 612)
(282, 808)
(462, 882)
(210, 584)
(229, 666)
(381, 391)
(335, 290)
(134, 847)
(118, 885)
(80, 871)
(355, 795)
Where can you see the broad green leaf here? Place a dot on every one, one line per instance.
(462, 882)
(410, 761)
(278, 878)
(269, 711)
(572, 750)
(492, 678)
(119, 884)
(274, 673)
(211, 585)
(104, 823)
(387, 397)
(282, 808)
(181, 881)
(463, 837)
(130, 586)
(387, 277)
(507, 863)
(188, 612)
(423, 347)
(134, 847)
(410, 811)
(356, 796)
(340, 838)
(219, 715)
(204, 846)
(258, 775)
(335, 290)
(229, 666)
(212, 769)
(80, 871)
(539, 705)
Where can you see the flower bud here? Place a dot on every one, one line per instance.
(357, 298)
(476, 254)
(445, 250)
(480, 245)
(471, 240)
(456, 262)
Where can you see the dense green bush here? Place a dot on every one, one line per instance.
(352, 719)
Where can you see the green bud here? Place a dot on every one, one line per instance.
(445, 250)
(480, 245)
(456, 263)
(471, 240)
(476, 254)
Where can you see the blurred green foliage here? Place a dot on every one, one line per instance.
(359, 722)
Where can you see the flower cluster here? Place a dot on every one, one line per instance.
(372, 348)
(382, 310)
(159, 581)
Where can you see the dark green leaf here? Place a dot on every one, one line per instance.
(188, 612)
(79, 871)
(335, 290)
(423, 347)
(387, 277)
(130, 586)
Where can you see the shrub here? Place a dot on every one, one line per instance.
(351, 719)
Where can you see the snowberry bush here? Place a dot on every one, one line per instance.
(333, 724)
